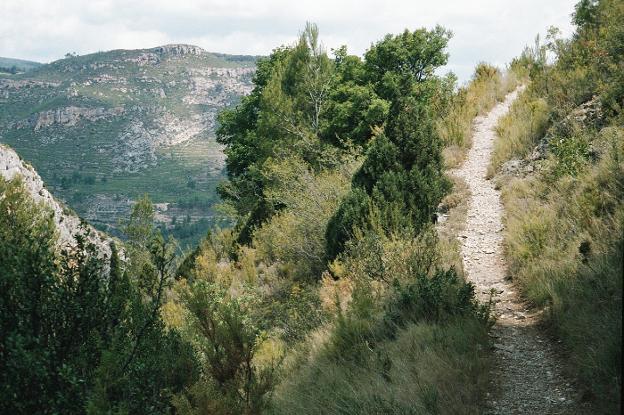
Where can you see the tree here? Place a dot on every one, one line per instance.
(77, 333)
(139, 228)
(401, 177)
(290, 114)
(406, 59)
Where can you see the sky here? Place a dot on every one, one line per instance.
(493, 31)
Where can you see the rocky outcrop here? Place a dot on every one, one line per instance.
(67, 116)
(70, 116)
(68, 225)
(17, 84)
(178, 50)
(587, 115)
(217, 86)
(144, 59)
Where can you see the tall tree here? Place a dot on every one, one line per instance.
(401, 179)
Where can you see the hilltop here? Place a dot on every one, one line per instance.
(104, 128)
(13, 66)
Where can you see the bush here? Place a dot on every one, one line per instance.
(407, 337)
(296, 235)
(228, 337)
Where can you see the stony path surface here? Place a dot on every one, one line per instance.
(527, 378)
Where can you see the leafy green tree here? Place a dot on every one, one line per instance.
(401, 178)
(27, 279)
(353, 108)
(139, 228)
(295, 237)
(296, 110)
(401, 61)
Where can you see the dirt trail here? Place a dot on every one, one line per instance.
(527, 378)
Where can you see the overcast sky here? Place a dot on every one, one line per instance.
(484, 30)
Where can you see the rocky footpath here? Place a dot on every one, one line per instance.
(527, 377)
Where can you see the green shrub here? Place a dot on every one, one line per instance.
(434, 298)
(564, 244)
(408, 341)
(228, 337)
(426, 368)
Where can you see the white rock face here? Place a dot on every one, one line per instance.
(71, 115)
(67, 116)
(213, 86)
(67, 224)
(178, 50)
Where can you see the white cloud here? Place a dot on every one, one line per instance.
(485, 30)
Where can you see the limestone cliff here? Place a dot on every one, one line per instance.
(68, 224)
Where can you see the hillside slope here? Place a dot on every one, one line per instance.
(527, 375)
(67, 223)
(102, 129)
(559, 161)
(12, 66)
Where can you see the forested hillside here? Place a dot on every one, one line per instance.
(9, 66)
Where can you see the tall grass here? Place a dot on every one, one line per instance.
(488, 86)
(407, 337)
(564, 241)
(520, 129)
(427, 369)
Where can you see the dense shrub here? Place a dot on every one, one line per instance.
(228, 338)
(79, 334)
(401, 176)
(410, 340)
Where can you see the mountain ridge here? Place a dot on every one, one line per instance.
(104, 128)
(13, 65)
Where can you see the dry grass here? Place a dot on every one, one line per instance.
(565, 249)
(428, 368)
(487, 88)
(520, 130)
(455, 208)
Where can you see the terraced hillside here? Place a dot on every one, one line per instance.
(105, 128)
